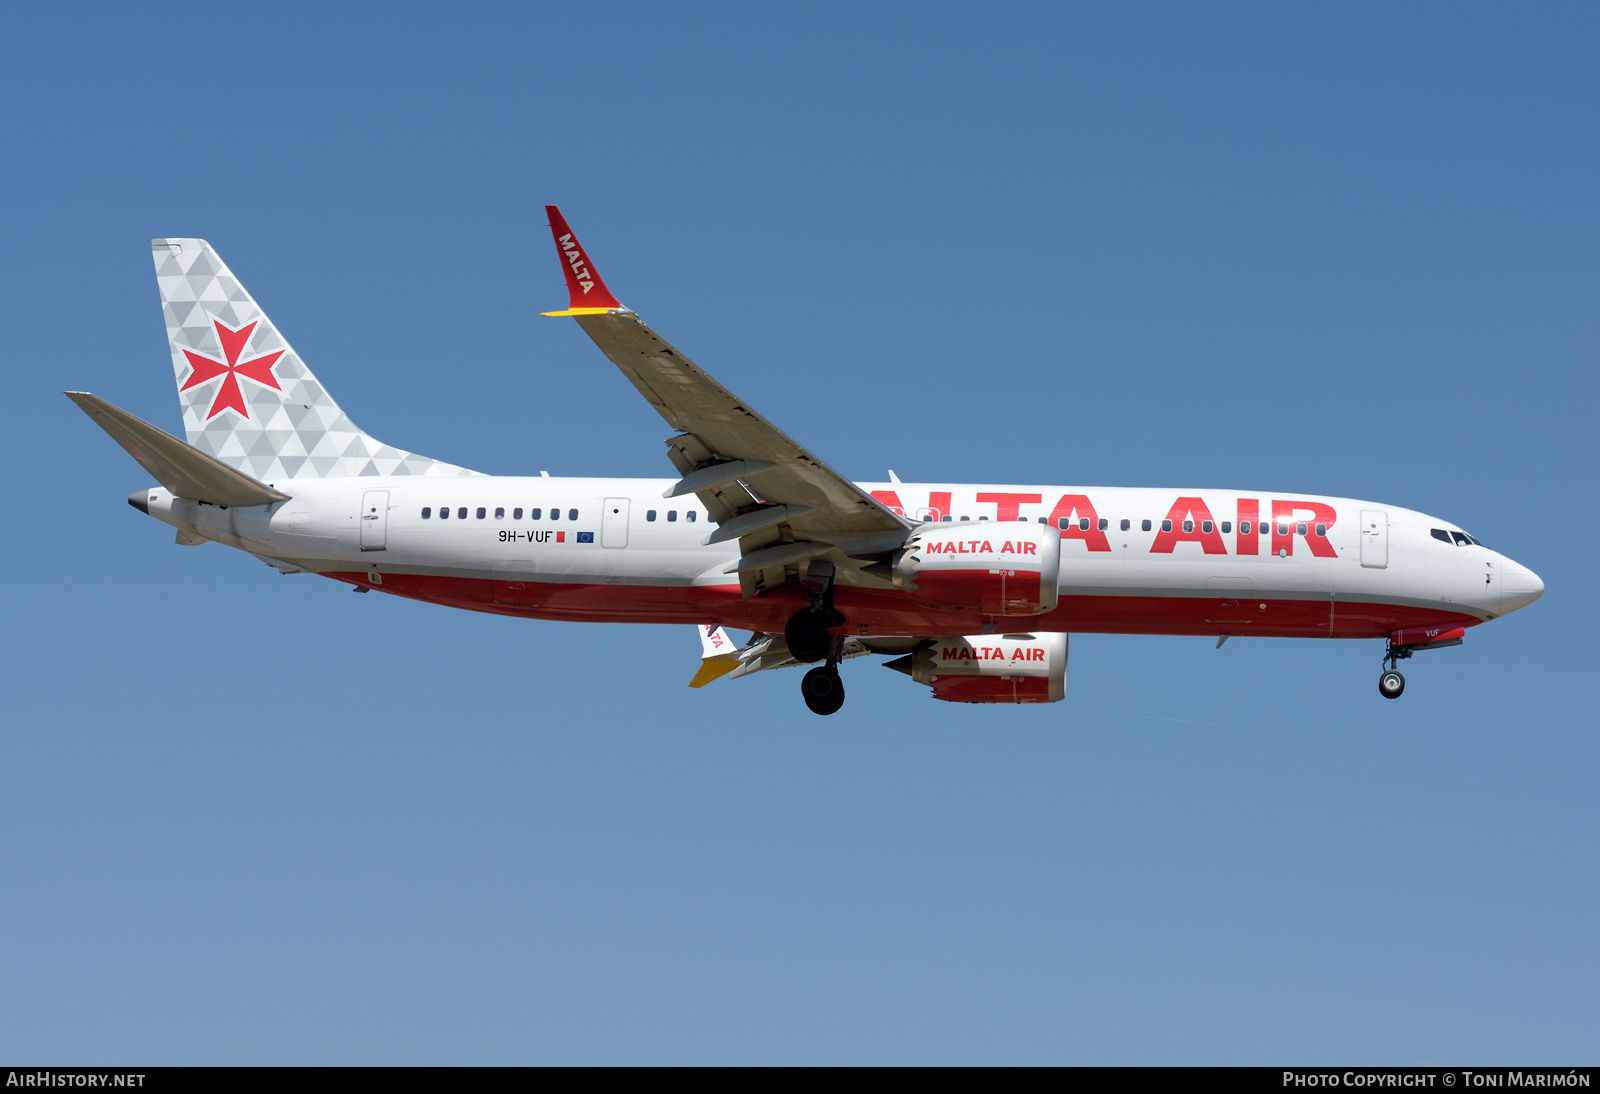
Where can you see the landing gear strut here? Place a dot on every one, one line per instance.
(807, 637)
(1390, 682)
(806, 633)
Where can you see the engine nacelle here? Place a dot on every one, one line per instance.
(993, 568)
(992, 668)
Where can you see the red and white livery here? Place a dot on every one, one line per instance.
(971, 588)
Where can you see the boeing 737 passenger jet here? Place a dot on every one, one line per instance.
(971, 588)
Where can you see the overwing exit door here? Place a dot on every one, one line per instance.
(614, 523)
(375, 520)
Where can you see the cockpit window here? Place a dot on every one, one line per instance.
(1441, 535)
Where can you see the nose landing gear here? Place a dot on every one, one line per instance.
(1390, 682)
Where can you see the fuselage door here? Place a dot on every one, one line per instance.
(614, 523)
(1374, 539)
(375, 520)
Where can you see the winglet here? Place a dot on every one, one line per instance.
(588, 294)
(718, 657)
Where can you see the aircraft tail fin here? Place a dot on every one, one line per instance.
(247, 397)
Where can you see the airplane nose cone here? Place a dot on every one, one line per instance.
(1519, 587)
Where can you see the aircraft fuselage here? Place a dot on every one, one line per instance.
(1133, 560)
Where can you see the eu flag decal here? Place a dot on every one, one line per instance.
(585, 537)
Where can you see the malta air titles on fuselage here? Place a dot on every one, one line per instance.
(1218, 526)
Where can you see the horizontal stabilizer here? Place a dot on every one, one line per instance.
(186, 472)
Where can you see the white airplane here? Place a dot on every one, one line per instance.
(973, 587)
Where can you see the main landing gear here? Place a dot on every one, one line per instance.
(823, 690)
(806, 635)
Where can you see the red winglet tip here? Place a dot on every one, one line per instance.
(583, 282)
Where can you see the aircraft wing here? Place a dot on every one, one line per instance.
(783, 504)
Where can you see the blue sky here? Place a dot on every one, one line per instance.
(1347, 250)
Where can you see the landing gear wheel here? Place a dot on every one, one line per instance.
(807, 637)
(823, 690)
(1391, 684)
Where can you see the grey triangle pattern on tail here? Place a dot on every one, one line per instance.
(272, 433)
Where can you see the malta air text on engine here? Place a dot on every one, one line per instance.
(1188, 519)
(990, 653)
(982, 547)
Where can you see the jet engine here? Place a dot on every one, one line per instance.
(991, 668)
(997, 569)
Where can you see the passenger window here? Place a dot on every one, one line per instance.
(461, 513)
(1166, 525)
(555, 514)
(516, 514)
(1263, 527)
(672, 515)
(482, 512)
(1283, 529)
(533, 514)
(1300, 529)
(946, 517)
(1227, 526)
(1126, 524)
(1188, 526)
(499, 512)
(1441, 535)
(1103, 524)
(1083, 524)
(1063, 523)
(1144, 526)
(983, 518)
(690, 515)
(966, 518)
(1322, 529)
(427, 511)
(649, 514)
(1043, 521)
(444, 512)
(1244, 528)
(572, 514)
(1205, 526)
